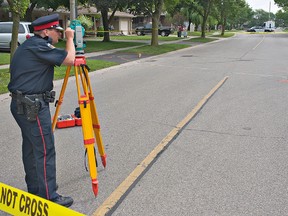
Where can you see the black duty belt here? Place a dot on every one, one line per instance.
(48, 96)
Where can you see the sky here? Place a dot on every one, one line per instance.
(263, 4)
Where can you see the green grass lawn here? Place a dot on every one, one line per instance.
(157, 50)
(226, 35)
(145, 37)
(202, 40)
(92, 64)
(59, 72)
(4, 58)
(4, 80)
(92, 46)
(96, 46)
(135, 38)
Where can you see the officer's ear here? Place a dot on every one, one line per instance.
(44, 33)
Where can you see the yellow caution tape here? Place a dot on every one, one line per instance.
(18, 202)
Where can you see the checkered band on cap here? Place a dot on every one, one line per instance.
(46, 22)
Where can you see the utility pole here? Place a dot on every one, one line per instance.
(269, 9)
(72, 10)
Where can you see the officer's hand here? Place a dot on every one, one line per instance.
(69, 33)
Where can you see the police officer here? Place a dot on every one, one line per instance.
(31, 84)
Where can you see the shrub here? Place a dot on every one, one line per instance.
(100, 31)
(86, 22)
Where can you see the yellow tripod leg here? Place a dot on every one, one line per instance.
(96, 122)
(61, 96)
(87, 130)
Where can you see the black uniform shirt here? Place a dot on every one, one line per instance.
(32, 66)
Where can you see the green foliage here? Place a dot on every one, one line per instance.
(202, 40)
(281, 3)
(4, 80)
(93, 65)
(143, 37)
(100, 31)
(259, 17)
(282, 18)
(19, 6)
(59, 72)
(4, 58)
(86, 21)
(231, 13)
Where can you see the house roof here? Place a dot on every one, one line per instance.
(122, 14)
(87, 10)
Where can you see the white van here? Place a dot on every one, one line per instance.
(269, 26)
(25, 31)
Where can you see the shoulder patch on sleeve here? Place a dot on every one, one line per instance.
(50, 46)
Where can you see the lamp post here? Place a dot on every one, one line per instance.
(72, 10)
(269, 10)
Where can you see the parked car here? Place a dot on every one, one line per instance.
(256, 29)
(25, 31)
(147, 29)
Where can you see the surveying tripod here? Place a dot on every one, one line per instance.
(88, 112)
(89, 117)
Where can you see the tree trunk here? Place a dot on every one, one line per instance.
(28, 14)
(104, 13)
(206, 13)
(203, 28)
(15, 28)
(189, 25)
(155, 22)
(223, 26)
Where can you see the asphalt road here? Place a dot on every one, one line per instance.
(231, 159)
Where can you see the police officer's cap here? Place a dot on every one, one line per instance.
(47, 22)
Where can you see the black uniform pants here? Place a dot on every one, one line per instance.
(38, 151)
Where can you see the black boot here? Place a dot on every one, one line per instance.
(64, 201)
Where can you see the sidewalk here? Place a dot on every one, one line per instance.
(112, 51)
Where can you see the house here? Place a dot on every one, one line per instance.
(122, 22)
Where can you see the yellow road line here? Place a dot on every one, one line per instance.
(259, 43)
(120, 191)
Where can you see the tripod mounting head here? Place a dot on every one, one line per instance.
(78, 36)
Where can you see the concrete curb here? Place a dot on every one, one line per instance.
(6, 96)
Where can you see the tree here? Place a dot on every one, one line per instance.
(44, 3)
(47, 4)
(260, 16)
(187, 8)
(109, 5)
(227, 11)
(281, 3)
(282, 18)
(203, 7)
(151, 8)
(18, 8)
(241, 16)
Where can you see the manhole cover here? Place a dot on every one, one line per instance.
(188, 56)
(247, 128)
(245, 60)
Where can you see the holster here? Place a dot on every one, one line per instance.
(49, 96)
(28, 105)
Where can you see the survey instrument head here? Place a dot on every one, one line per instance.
(78, 36)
